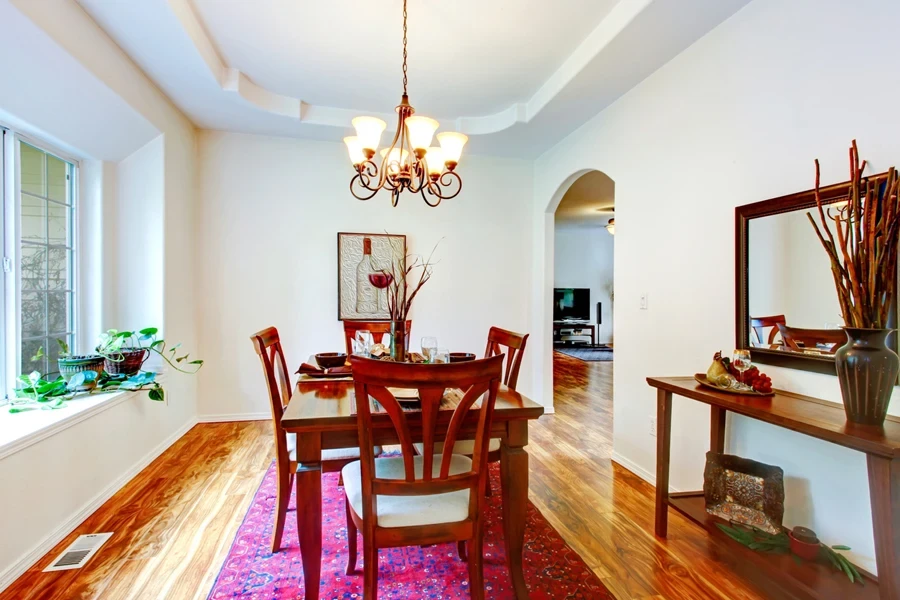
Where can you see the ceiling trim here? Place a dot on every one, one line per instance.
(233, 81)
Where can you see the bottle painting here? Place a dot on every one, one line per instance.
(368, 301)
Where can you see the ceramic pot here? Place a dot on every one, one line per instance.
(867, 370)
(398, 341)
(69, 365)
(804, 546)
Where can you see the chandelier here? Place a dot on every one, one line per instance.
(410, 163)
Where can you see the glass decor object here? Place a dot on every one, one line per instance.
(429, 346)
(441, 356)
(744, 491)
(741, 361)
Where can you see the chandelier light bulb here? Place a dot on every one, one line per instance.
(354, 148)
(452, 144)
(435, 161)
(421, 131)
(368, 131)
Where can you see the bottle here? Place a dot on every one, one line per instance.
(366, 293)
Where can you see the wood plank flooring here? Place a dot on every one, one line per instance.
(175, 521)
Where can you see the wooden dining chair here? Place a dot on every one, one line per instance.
(758, 324)
(420, 499)
(378, 329)
(268, 347)
(500, 341)
(800, 340)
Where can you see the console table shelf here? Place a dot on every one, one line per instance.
(780, 576)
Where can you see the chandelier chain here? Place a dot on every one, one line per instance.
(404, 48)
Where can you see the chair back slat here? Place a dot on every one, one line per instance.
(375, 379)
(515, 350)
(378, 329)
(267, 344)
(758, 324)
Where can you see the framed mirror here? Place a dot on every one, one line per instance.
(787, 311)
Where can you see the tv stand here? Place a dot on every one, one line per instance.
(577, 325)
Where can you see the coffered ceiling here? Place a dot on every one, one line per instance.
(517, 76)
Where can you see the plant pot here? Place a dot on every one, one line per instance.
(131, 363)
(398, 341)
(867, 370)
(70, 365)
(804, 547)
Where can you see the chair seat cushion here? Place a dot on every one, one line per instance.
(336, 454)
(410, 511)
(466, 447)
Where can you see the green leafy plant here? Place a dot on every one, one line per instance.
(114, 343)
(780, 543)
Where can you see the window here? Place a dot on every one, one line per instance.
(42, 272)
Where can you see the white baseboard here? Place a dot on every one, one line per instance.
(227, 418)
(23, 564)
(637, 470)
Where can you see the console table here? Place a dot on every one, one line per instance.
(780, 575)
(558, 325)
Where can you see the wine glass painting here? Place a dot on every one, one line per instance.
(366, 263)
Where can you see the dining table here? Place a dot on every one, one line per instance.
(322, 413)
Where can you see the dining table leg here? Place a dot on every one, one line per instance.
(309, 510)
(514, 479)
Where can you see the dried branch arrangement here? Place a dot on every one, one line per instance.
(400, 298)
(861, 243)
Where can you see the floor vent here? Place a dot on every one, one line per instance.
(79, 552)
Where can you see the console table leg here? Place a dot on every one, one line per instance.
(717, 429)
(884, 494)
(663, 447)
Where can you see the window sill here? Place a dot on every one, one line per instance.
(20, 430)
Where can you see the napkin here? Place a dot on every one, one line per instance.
(308, 368)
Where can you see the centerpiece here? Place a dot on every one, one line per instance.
(403, 283)
(860, 238)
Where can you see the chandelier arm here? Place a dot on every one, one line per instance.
(356, 178)
(430, 193)
(445, 180)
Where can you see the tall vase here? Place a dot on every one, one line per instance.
(398, 341)
(867, 370)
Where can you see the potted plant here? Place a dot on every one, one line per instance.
(126, 351)
(861, 240)
(70, 364)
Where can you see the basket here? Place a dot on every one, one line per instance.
(130, 363)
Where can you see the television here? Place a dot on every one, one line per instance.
(571, 304)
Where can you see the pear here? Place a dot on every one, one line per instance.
(718, 374)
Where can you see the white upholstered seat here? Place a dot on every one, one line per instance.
(336, 454)
(466, 447)
(409, 511)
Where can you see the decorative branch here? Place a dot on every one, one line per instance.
(864, 256)
(400, 299)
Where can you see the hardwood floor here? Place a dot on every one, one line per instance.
(175, 521)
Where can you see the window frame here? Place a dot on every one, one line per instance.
(12, 278)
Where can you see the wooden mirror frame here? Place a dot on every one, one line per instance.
(766, 208)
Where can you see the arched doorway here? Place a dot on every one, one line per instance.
(586, 197)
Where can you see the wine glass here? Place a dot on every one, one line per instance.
(441, 356)
(365, 340)
(741, 361)
(429, 345)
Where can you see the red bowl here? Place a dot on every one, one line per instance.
(804, 550)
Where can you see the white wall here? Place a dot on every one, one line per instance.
(60, 479)
(583, 258)
(736, 118)
(272, 209)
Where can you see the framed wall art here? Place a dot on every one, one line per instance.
(362, 257)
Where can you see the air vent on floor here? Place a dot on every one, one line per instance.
(79, 552)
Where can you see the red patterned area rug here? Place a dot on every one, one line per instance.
(553, 571)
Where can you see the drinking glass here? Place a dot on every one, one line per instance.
(359, 348)
(741, 361)
(365, 339)
(429, 345)
(441, 356)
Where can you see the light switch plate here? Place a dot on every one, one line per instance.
(644, 301)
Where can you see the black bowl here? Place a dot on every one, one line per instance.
(458, 357)
(330, 360)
